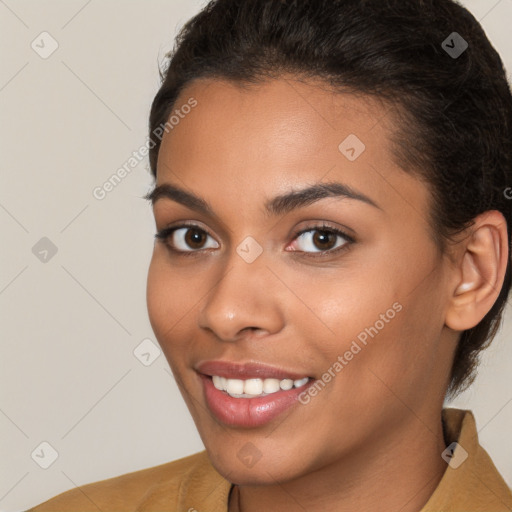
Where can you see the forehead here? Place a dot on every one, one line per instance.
(268, 137)
(278, 114)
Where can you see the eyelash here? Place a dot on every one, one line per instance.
(164, 234)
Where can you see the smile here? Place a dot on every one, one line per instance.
(249, 388)
(250, 394)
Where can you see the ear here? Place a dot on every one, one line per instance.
(481, 271)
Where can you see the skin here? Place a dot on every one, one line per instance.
(372, 438)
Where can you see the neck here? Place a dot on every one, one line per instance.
(399, 471)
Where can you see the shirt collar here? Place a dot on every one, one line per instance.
(471, 482)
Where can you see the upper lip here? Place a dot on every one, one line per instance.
(250, 370)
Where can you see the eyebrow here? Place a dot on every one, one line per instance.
(278, 205)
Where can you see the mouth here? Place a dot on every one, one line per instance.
(251, 394)
(250, 388)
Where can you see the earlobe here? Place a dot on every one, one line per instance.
(481, 272)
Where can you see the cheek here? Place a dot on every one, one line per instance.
(169, 302)
(367, 341)
(349, 304)
(372, 320)
(156, 297)
(393, 353)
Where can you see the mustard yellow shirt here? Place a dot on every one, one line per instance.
(192, 484)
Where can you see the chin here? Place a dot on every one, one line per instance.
(257, 475)
(237, 466)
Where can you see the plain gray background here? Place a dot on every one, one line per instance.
(70, 323)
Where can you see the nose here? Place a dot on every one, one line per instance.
(246, 297)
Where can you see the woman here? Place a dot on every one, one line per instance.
(331, 256)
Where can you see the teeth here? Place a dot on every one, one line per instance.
(301, 382)
(235, 387)
(286, 384)
(255, 387)
(217, 382)
(271, 385)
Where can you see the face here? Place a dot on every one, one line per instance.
(288, 250)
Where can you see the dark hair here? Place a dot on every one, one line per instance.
(455, 110)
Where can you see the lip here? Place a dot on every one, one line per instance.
(248, 412)
(249, 370)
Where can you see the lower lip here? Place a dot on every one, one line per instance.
(248, 412)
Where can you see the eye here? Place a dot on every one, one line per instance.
(186, 238)
(321, 239)
(317, 240)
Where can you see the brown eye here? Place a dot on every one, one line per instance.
(195, 238)
(324, 240)
(321, 240)
(187, 239)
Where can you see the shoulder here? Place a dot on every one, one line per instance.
(125, 492)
